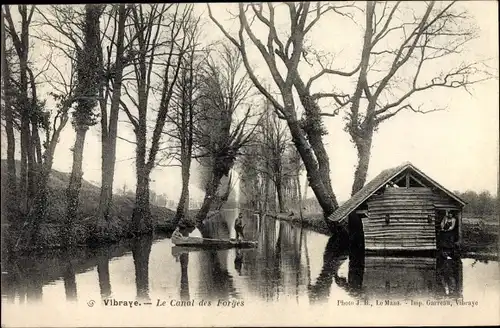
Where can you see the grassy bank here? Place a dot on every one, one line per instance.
(116, 229)
(479, 236)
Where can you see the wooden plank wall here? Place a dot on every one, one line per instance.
(409, 229)
(443, 201)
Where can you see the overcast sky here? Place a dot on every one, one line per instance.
(457, 147)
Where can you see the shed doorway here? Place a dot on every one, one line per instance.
(447, 236)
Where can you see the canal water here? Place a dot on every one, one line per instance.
(293, 277)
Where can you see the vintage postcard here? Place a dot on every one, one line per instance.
(250, 164)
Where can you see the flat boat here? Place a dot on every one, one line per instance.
(212, 243)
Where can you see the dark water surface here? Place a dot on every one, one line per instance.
(291, 270)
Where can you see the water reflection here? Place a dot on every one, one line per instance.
(333, 257)
(217, 282)
(289, 262)
(70, 282)
(141, 248)
(184, 289)
(238, 261)
(449, 277)
(103, 273)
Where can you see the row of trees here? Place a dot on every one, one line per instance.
(403, 48)
(184, 101)
(482, 205)
(270, 167)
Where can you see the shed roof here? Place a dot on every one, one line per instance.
(379, 181)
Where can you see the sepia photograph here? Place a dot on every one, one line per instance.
(242, 164)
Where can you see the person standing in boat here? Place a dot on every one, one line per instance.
(448, 235)
(238, 226)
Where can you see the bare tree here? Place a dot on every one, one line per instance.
(306, 134)
(275, 141)
(221, 134)
(252, 179)
(423, 40)
(110, 88)
(270, 159)
(148, 42)
(49, 121)
(20, 40)
(183, 116)
(86, 92)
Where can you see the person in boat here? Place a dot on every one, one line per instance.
(238, 226)
(178, 232)
(448, 235)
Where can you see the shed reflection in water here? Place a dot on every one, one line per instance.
(284, 265)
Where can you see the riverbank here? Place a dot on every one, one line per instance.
(88, 231)
(479, 237)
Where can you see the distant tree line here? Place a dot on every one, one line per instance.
(482, 204)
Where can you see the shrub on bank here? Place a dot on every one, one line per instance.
(88, 231)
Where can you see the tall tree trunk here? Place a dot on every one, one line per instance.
(363, 146)
(266, 195)
(314, 129)
(327, 200)
(141, 217)
(25, 143)
(362, 132)
(306, 187)
(111, 130)
(11, 190)
(210, 193)
(86, 92)
(75, 182)
(299, 194)
(36, 144)
(225, 196)
(279, 193)
(183, 204)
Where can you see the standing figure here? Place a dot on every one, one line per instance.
(238, 227)
(448, 235)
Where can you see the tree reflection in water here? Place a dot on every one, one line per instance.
(334, 256)
(103, 273)
(216, 281)
(141, 248)
(69, 277)
(184, 290)
(32, 279)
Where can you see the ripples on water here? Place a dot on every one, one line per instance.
(289, 265)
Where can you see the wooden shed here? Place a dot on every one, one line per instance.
(400, 210)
